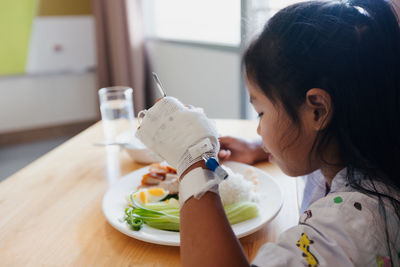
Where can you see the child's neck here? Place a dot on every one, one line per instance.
(329, 173)
(331, 155)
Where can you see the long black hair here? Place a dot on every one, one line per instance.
(351, 49)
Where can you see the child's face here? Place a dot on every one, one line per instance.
(288, 147)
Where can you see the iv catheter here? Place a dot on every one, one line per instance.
(160, 88)
(159, 85)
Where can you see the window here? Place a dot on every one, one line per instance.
(206, 21)
(258, 13)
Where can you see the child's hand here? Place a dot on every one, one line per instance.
(240, 150)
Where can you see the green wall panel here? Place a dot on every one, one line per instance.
(15, 26)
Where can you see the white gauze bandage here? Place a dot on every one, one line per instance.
(196, 183)
(178, 134)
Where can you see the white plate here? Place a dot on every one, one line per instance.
(114, 204)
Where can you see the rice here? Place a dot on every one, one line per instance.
(236, 188)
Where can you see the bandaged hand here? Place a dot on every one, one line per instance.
(175, 132)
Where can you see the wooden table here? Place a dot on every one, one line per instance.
(51, 210)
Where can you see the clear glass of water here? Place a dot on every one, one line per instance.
(117, 115)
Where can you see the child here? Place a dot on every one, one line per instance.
(325, 80)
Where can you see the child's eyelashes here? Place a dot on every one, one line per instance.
(260, 114)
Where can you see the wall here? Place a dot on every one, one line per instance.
(59, 85)
(15, 26)
(33, 101)
(204, 77)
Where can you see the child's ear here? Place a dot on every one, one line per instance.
(319, 105)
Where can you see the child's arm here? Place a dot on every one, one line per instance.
(183, 136)
(206, 236)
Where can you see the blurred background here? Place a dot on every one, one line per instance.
(56, 54)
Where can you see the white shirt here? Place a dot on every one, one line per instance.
(343, 228)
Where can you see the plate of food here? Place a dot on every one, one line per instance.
(144, 205)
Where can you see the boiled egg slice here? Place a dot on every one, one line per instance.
(150, 195)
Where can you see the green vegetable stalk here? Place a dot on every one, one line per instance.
(165, 215)
(135, 223)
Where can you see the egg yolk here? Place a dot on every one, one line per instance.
(156, 191)
(143, 197)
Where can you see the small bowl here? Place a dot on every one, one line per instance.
(141, 155)
(136, 149)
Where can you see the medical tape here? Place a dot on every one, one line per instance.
(200, 148)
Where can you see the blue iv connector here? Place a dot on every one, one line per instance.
(214, 166)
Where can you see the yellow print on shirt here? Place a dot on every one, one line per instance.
(304, 244)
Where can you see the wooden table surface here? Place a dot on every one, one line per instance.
(51, 210)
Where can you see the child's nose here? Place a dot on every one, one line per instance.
(259, 129)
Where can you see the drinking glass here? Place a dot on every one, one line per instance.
(116, 106)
